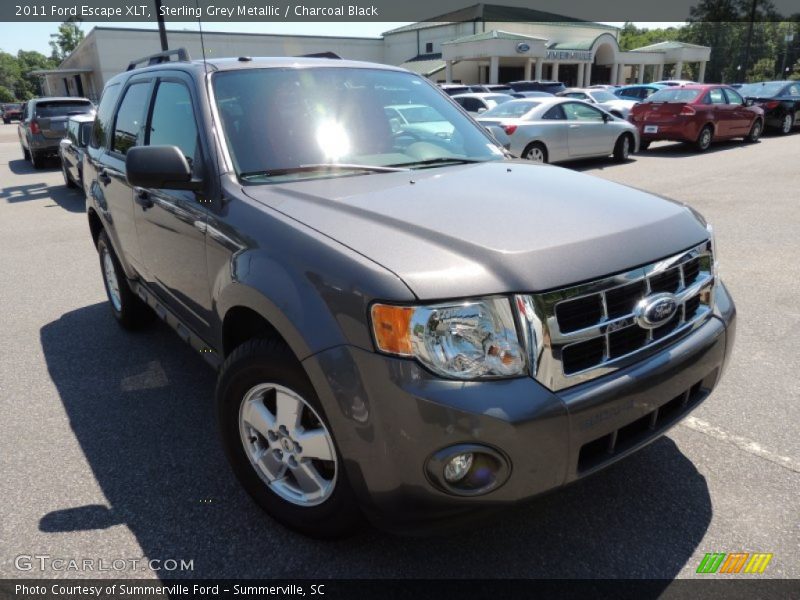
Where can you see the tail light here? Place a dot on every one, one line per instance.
(35, 127)
(687, 111)
(509, 129)
(772, 104)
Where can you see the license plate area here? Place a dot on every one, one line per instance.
(651, 128)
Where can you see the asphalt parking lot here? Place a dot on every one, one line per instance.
(109, 448)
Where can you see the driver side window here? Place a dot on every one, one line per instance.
(582, 112)
(734, 97)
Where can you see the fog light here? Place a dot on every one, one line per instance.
(458, 467)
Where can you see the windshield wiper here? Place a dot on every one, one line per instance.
(439, 161)
(323, 167)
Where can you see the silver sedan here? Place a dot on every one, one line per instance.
(558, 129)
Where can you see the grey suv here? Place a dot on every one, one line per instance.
(407, 324)
(44, 124)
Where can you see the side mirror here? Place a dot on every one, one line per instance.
(159, 167)
(482, 109)
(748, 102)
(606, 117)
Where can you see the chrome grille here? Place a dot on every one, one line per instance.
(588, 330)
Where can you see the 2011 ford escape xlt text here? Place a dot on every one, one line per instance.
(408, 324)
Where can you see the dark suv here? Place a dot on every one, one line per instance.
(44, 125)
(407, 324)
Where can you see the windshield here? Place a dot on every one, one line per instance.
(281, 123)
(63, 108)
(766, 90)
(674, 94)
(514, 109)
(603, 96)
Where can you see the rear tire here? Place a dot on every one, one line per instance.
(704, 139)
(128, 309)
(36, 159)
(787, 124)
(622, 149)
(265, 455)
(535, 152)
(25, 154)
(755, 132)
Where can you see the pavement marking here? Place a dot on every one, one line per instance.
(741, 442)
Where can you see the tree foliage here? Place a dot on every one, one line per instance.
(66, 39)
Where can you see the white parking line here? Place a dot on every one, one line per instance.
(741, 442)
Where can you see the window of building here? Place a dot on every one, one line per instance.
(428, 47)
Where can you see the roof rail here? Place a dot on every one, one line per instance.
(161, 57)
(328, 54)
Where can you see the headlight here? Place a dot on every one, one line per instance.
(471, 339)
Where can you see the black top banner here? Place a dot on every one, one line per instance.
(394, 11)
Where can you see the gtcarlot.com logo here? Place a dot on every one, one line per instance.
(735, 562)
(45, 562)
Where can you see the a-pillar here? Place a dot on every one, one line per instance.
(554, 75)
(494, 69)
(701, 76)
(448, 71)
(640, 70)
(528, 65)
(581, 77)
(539, 65)
(678, 69)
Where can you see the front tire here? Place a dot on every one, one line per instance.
(535, 152)
(755, 132)
(622, 149)
(704, 139)
(128, 309)
(279, 443)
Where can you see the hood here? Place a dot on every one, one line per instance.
(505, 226)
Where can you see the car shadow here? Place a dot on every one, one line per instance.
(141, 407)
(685, 150)
(70, 199)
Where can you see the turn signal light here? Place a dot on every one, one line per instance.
(688, 111)
(509, 129)
(392, 327)
(771, 104)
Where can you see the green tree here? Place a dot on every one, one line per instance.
(795, 73)
(6, 95)
(763, 70)
(29, 85)
(67, 38)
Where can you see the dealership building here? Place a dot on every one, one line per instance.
(483, 43)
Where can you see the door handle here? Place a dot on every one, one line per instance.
(143, 199)
(104, 177)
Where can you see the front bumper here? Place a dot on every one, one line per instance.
(389, 415)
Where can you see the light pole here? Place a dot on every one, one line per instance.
(162, 31)
(788, 38)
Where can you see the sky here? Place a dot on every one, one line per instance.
(36, 36)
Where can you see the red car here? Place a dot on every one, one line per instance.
(698, 114)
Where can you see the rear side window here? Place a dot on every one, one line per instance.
(716, 96)
(102, 122)
(62, 108)
(172, 122)
(129, 119)
(555, 114)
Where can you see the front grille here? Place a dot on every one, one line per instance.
(605, 448)
(585, 331)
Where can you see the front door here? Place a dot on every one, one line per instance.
(171, 223)
(587, 132)
(741, 116)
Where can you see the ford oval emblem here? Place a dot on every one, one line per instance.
(523, 47)
(654, 311)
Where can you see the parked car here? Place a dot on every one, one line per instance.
(409, 331)
(675, 82)
(780, 101)
(558, 129)
(420, 121)
(698, 114)
(538, 86)
(451, 89)
(603, 86)
(532, 95)
(44, 124)
(619, 107)
(478, 103)
(638, 92)
(11, 112)
(72, 148)
(491, 88)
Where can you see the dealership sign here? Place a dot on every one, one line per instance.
(569, 55)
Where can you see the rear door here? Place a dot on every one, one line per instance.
(587, 132)
(52, 116)
(172, 223)
(723, 114)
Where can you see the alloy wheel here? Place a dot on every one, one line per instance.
(788, 122)
(626, 147)
(288, 444)
(112, 284)
(535, 154)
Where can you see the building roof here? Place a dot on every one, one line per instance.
(663, 46)
(498, 13)
(494, 34)
(425, 64)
